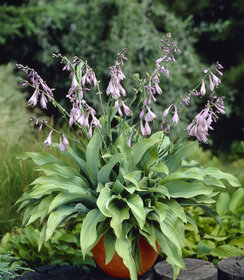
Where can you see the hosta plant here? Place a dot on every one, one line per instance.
(129, 181)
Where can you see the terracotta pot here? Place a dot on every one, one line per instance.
(116, 267)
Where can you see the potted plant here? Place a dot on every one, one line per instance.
(132, 185)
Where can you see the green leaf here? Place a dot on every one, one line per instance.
(149, 158)
(173, 254)
(127, 164)
(225, 251)
(41, 210)
(175, 207)
(160, 189)
(73, 154)
(104, 172)
(135, 203)
(212, 181)
(142, 146)
(92, 157)
(203, 199)
(212, 213)
(191, 220)
(216, 238)
(149, 233)
(216, 173)
(160, 168)
(52, 169)
(56, 217)
(237, 200)
(88, 234)
(109, 245)
(42, 237)
(71, 184)
(123, 249)
(222, 204)
(40, 191)
(118, 187)
(32, 235)
(204, 247)
(41, 158)
(160, 210)
(64, 198)
(180, 152)
(188, 174)
(173, 228)
(103, 200)
(238, 241)
(187, 190)
(118, 214)
(134, 177)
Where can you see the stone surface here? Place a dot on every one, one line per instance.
(231, 268)
(55, 272)
(195, 270)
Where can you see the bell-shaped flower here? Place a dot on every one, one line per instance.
(89, 134)
(43, 101)
(175, 118)
(165, 113)
(203, 88)
(48, 141)
(147, 128)
(34, 98)
(211, 84)
(127, 110)
(117, 107)
(216, 80)
(150, 116)
(143, 131)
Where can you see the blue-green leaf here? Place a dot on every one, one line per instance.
(134, 177)
(136, 205)
(56, 217)
(104, 172)
(88, 234)
(41, 158)
(237, 201)
(187, 190)
(92, 157)
(123, 249)
(181, 152)
(142, 146)
(109, 245)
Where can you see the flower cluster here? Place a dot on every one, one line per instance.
(42, 90)
(169, 49)
(201, 124)
(83, 78)
(81, 113)
(115, 88)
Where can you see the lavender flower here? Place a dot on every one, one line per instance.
(63, 145)
(216, 80)
(41, 88)
(175, 118)
(211, 84)
(203, 88)
(48, 141)
(186, 100)
(165, 113)
(34, 98)
(150, 116)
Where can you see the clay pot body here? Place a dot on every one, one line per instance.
(116, 267)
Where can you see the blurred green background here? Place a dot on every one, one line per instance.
(95, 30)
